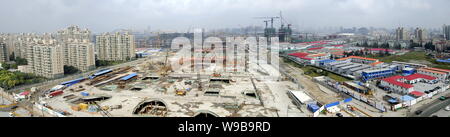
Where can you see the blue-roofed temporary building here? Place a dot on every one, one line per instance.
(373, 74)
(102, 72)
(128, 77)
(407, 98)
(70, 83)
(393, 101)
(324, 62)
(313, 107)
(408, 71)
(443, 61)
(332, 104)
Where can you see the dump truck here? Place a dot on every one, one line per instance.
(181, 92)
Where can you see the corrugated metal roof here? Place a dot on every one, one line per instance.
(417, 75)
(417, 93)
(103, 72)
(75, 80)
(407, 98)
(129, 76)
(394, 80)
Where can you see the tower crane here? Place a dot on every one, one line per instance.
(271, 20)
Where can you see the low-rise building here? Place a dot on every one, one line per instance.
(403, 84)
(308, 58)
(357, 59)
(377, 73)
(441, 74)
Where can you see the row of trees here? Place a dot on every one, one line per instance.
(412, 45)
(70, 70)
(366, 52)
(100, 63)
(374, 45)
(10, 79)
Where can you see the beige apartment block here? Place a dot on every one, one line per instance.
(45, 59)
(79, 54)
(115, 47)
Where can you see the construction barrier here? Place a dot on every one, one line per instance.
(49, 111)
(335, 86)
(409, 103)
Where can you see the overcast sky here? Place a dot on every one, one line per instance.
(108, 15)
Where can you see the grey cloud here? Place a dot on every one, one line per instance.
(106, 15)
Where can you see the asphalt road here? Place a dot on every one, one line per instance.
(432, 108)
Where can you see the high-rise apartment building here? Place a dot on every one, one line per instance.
(4, 57)
(45, 59)
(446, 30)
(78, 50)
(73, 32)
(80, 54)
(115, 47)
(22, 42)
(420, 34)
(402, 34)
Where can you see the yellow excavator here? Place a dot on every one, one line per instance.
(180, 92)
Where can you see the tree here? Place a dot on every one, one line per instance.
(365, 44)
(21, 61)
(9, 79)
(397, 46)
(430, 46)
(70, 70)
(11, 57)
(7, 66)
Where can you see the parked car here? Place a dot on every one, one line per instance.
(418, 112)
(339, 115)
(442, 98)
(447, 108)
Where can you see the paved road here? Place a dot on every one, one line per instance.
(442, 113)
(433, 107)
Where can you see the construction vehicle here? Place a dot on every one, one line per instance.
(180, 92)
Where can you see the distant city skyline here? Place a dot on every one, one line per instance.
(180, 15)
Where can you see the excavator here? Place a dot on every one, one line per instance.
(180, 92)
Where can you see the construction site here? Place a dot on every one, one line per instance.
(154, 89)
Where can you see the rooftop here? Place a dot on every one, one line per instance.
(358, 57)
(417, 76)
(394, 80)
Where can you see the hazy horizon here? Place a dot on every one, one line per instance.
(107, 15)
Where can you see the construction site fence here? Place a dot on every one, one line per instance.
(409, 103)
(33, 109)
(335, 86)
(44, 110)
